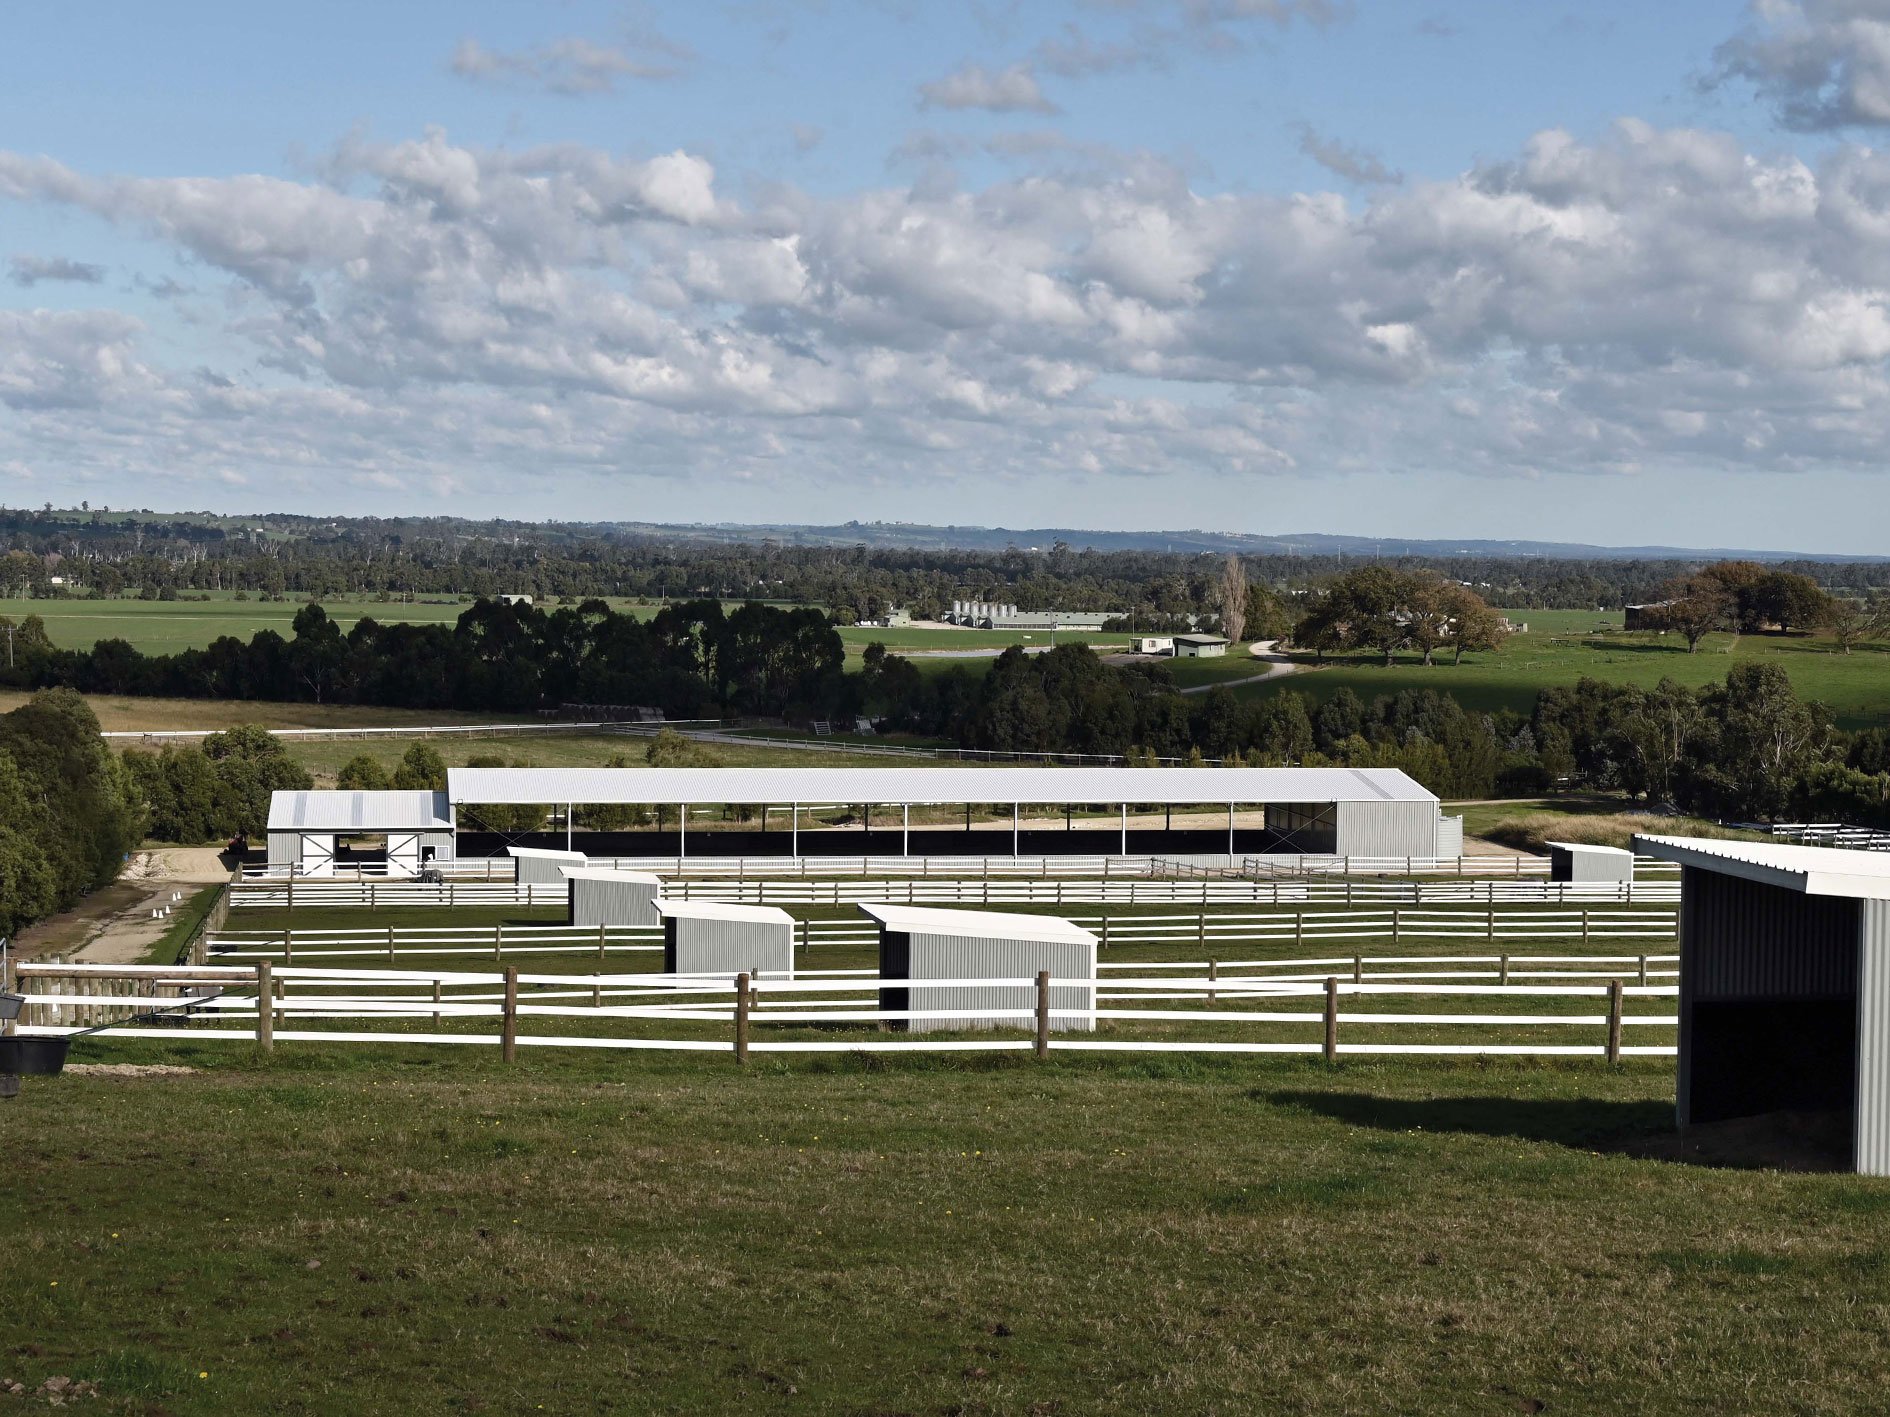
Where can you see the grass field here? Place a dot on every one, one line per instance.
(413, 1230)
(1561, 648)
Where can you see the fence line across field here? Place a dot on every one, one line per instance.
(705, 1000)
(455, 895)
(501, 869)
(1227, 928)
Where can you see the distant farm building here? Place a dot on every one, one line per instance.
(516, 599)
(894, 619)
(306, 830)
(990, 615)
(1652, 616)
(1200, 646)
(1155, 644)
(1577, 861)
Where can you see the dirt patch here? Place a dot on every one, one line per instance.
(128, 1070)
(1773, 1141)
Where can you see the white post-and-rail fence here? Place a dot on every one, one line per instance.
(1395, 925)
(259, 998)
(502, 868)
(321, 893)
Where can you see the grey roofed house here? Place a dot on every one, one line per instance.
(922, 943)
(718, 937)
(1784, 985)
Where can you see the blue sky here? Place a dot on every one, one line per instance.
(1446, 269)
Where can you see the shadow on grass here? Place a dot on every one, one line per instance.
(1778, 1141)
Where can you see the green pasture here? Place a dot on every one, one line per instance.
(1856, 686)
(374, 1228)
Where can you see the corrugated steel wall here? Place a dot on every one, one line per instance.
(1450, 836)
(1566, 865)
(728, 947)
(1386, 829)
(932, 956)
(1742, 942)
(285, 849)
(441, 842)
(1871, 1133)
(593, 902)
(544, 870)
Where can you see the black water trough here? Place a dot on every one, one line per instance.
(33, 1057)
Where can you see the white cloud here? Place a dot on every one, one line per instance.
(572, 67)
(1012, 90)
(1820, 63)
(1354, 164)
(429, 309)
(29, 271)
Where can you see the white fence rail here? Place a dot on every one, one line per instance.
(1298, 928)
(456, 895)
(257, 999)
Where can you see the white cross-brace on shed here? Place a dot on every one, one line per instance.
(920, 943)
(303, 827)
(714, 937)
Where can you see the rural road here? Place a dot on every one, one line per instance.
(1278, 665)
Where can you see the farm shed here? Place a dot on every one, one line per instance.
(1189, 813)
(305, 828)
(1577, 861)
(712, 937)
(541, 866)
(598, 896)
(917, 943)
(1784, 985)
(1200, 646)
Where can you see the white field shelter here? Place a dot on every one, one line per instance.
(304, 827)
(599, 896)
(711, 937)
(919, 943)
(539, 866)
(1577, 861)
(1784, 985)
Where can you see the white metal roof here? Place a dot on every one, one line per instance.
(723, 910)
(983, 924)
(334, 811)
(609, 873)
(1588, 848)
(1814, 870)
(545, 853)
(894, 785)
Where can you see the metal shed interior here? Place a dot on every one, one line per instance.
(1784, 985)
(1352, 811)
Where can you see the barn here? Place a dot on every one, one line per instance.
(306, 830)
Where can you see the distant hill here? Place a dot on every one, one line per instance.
(984, 538)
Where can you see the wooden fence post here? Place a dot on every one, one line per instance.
(1394, 927)
(1200, 931)
(436, 999)
(601, 930)
(288, 947)
(265, 1006)
(1502, 969)
(1043, 1014)
(498, 942)
(1584, 927)
(1105, 933)
(1643, 969)
(508, 1017)
(1490, 926)
(370, 895)
(741, 1019)
(1299, 929)
(1332, 1020)
(1358, 969)
(1214, 973)
(1614, 1020)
